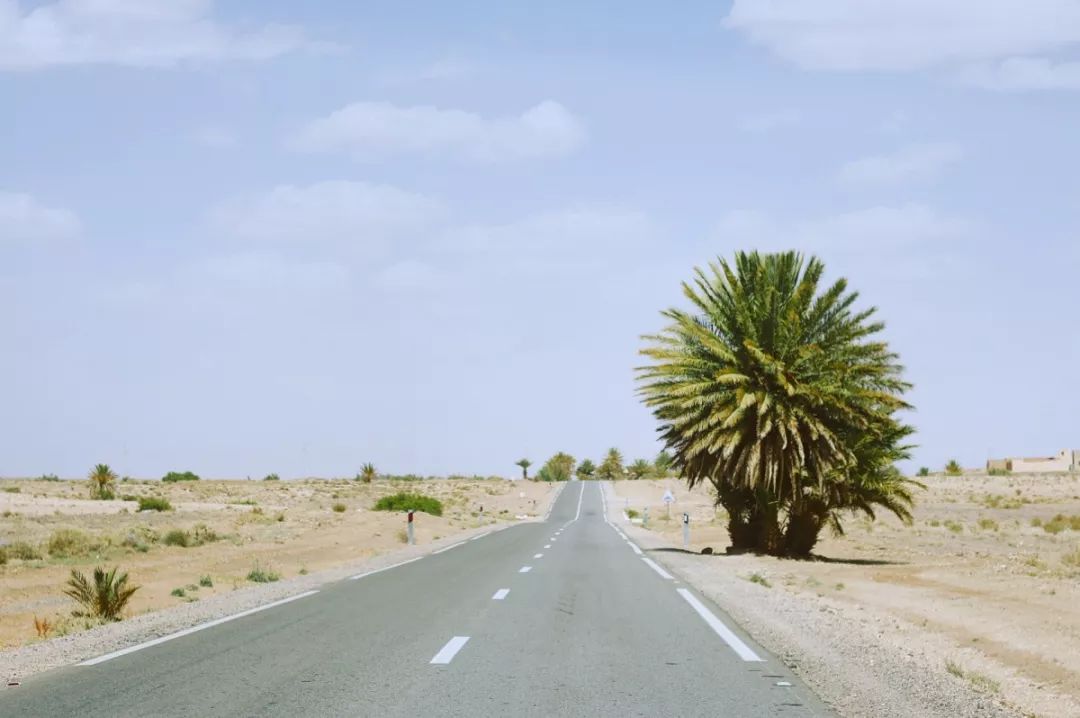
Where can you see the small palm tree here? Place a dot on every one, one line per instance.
(586, 469)
(953, 468)
(368, 472)
(639, 469)
(524, 464)
(102, 480)
(612, 466)
(105, 598)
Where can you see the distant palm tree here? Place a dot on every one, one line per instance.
(611, 467)
(953, 468)
(586, 469)
(102, 480)
(639, 469)
(782, 397)
(368, 472)
(105, 598)
(524, 464)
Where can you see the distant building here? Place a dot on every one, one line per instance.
(1064, 461)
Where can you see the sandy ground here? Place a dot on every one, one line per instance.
(287, 527)
(975, 584)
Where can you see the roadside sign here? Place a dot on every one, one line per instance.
(669, 498)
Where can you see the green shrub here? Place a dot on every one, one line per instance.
(177, 537)
(954, 526)
(23, 551)
(178, 592)
(999, 472)
(69, 543)
(1062, 522)
(924, 471)
(339, 508)
(759, 580)
(988, 525)
(3, 555)
(154, 503)
(271, 477)
(174, 476)
(258, 574)
(105, 598)
(48, 477)
(405, 501)
(206, 581)
(953, 468)
(12, 490)
(633, 513)
(204, 534)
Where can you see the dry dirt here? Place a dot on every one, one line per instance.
(285, 527)
(977, 583)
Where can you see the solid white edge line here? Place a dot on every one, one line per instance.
(580, 496)
(745, 652)
(474, 538)
(447, 548)
(634, 546)
(525, 569)
(657, 567)
(555, 498)
(384, 568)
(500, 594)
(447, 653)
(194, 629)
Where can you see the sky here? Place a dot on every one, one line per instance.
(256, 235)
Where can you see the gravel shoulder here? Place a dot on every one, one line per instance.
(860, 661)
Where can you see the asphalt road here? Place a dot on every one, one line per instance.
(591, 628)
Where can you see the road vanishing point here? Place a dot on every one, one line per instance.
(564, 617)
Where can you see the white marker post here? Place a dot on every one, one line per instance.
(409, 529)
(645, 517)
(685, 530)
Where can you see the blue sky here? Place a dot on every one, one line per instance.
(242, 237)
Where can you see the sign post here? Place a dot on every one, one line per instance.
(645, 517)
(685, 530)
(409, 529)
(669, 499)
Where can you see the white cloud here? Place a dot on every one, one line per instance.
(354, 214)
(371, 129)
(856, 35)
(867, 231)
(25, 219)
(1024, 73)
(139, 33)
(917, 162)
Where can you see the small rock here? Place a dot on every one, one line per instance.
(707, 550)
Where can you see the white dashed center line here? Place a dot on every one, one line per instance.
(450, 650)
(500, 594)
(525, 569)
(547, 545)
(539, 555)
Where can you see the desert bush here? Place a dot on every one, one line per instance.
(69, 543)
(203, 534)
(48, 477)
(271, 477)
(175, 476)
(154, 503)
(12, 490)
(178, 592)
(1062, 522)
(43, 627)
(3, 555)
(105, 598)
(23, 551)
(953, 468)
(999, 472)
(954, 526)
(924, 471)
(258, 574)
(633, 513)
(405, 501)
(759, 580)
(339, 508)
(988, 524)
(206, 581)
(177, 537)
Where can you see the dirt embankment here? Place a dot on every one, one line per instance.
(284, 528)
(973, 607)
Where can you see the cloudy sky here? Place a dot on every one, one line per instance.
(258, 235)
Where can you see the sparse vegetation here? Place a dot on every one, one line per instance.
(177, 537)
(988, 524)
(977, 680)
(271, 477)
(367, 473)
(259, 574)
(23, 551)
(1060, 523)
(105, 598)
(69, 543)
(206, 582)
(43, 627)
(924, 471)
(12, 490)
(178, 592)
(639, 469)
(339, 508)
(759, 580)
(633, 513)
(175, 476)
(154, 503)
(955, 526)
(405, 501)
(48, 477)
(953, 468)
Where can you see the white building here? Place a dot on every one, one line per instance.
(1064, 461)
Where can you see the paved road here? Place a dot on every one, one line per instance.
(591, 628)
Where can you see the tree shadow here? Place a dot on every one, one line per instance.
(813, 558)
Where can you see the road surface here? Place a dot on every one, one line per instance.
(560, 618)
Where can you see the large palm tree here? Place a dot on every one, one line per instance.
(102, 480)
(524, 464)
(776, 391)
